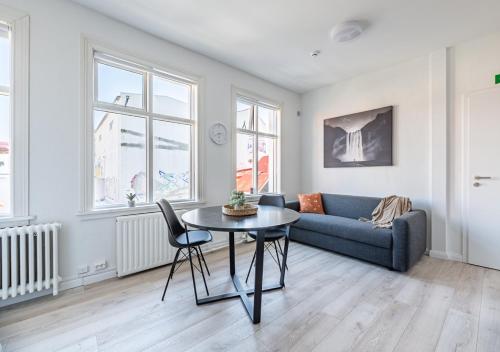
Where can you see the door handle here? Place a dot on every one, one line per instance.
(482, 177)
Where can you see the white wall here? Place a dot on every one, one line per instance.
(404, 87)
(427, 94)
(57, 28)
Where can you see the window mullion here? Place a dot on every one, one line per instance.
(268, 135)
(118, 109)
(167, 118)
(150, 138)
(256, 151)
(194, 147)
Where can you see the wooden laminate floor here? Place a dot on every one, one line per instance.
(330, 303)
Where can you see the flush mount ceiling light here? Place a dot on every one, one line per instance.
(346, 31)
(315, 53)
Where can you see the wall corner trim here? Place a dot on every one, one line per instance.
(439, 123)
(446, 256)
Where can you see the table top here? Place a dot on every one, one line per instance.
(212, 218)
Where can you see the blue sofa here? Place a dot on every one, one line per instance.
(339, 230)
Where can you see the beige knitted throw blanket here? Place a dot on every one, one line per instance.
(389, 209)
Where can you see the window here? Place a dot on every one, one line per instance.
(5, 122)
(14, 93)
(143, 133)
(257, 146)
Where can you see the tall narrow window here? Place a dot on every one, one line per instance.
(257, 146)
(5, 123)
(144, 124)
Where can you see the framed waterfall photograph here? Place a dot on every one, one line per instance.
(360, 139)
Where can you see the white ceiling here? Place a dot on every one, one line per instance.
(272, 39)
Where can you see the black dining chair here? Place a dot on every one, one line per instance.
(182, 238)
(272, 236)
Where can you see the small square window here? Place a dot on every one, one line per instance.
(267, 119)
(244, 116)
(171, 98)
(120, 87)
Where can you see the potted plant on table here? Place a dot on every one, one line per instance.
(237, 199)
(131, 199)
(238, 205)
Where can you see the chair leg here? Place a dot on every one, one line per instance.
(251, 264)
(171, 274)
(266, 247)
(281, 251)
(192, 274)
(277, 254)
(203, 258)
(201, 269)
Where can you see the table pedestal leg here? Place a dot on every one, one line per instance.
(232, 268)
(259, 270)
(283, 267)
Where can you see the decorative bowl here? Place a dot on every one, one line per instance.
(245, 210)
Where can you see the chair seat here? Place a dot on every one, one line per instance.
(196, 237)
(271, 235)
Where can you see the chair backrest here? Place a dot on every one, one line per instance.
(274, 200)
(175, 228)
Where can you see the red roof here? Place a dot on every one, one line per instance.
(244, 176)
(4, 147)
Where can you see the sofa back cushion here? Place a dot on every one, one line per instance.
(353, 207)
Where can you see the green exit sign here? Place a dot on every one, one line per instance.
(497, 79)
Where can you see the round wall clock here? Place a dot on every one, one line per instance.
(218, 133)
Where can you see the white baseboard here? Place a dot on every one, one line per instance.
(456, 257)
(73, 282)
(445, 255)
(438, 254)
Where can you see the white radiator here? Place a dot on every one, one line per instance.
(29, 259)
(142, 243)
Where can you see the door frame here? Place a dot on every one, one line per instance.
(466, 182)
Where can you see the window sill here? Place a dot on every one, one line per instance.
(139, 209)
(16, 221)
(256, 197)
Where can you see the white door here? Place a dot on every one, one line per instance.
(483, 178)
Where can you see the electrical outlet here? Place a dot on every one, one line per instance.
(83, 269)
(100, 265)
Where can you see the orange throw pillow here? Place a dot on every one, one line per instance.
(311, 203)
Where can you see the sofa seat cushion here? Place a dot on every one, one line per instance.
(346, 228)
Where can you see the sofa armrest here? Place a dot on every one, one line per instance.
(294, 205)
(409, 236)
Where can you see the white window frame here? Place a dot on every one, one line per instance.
(114, 57)
(253, 98)
(19, 112)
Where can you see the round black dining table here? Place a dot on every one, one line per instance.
(267, 217)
